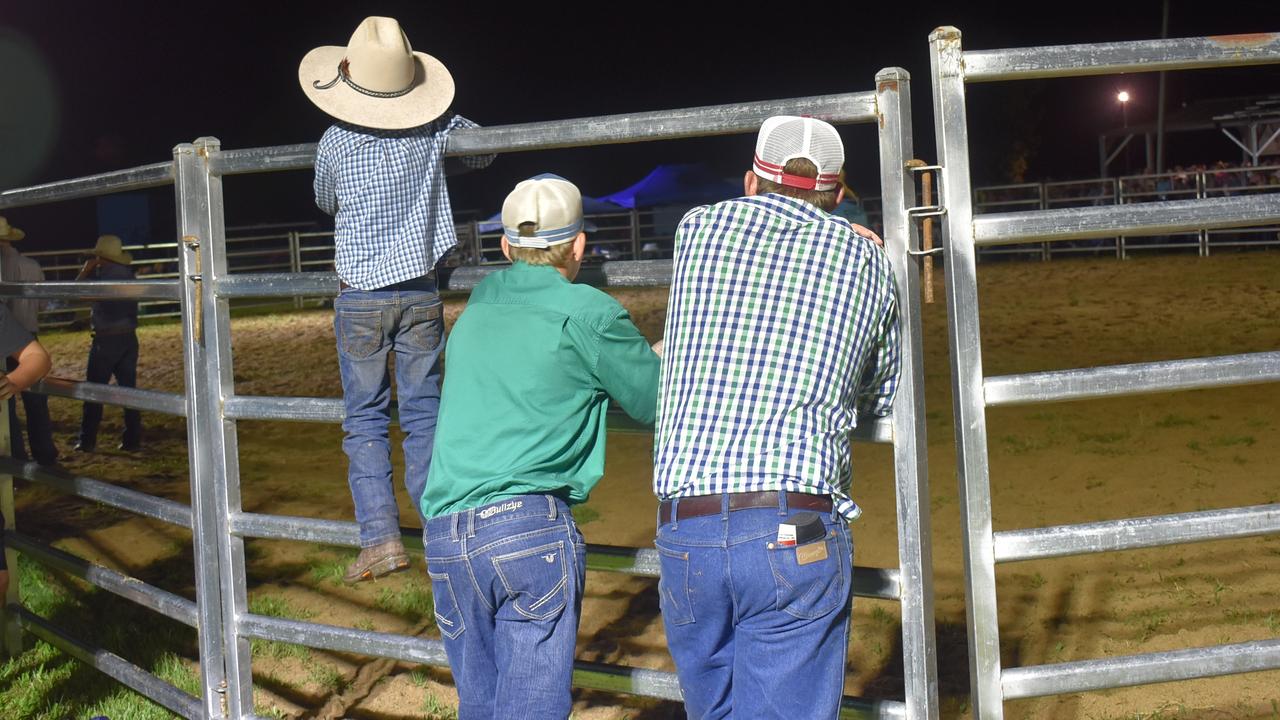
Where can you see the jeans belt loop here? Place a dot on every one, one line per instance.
(675, 513)
(453, 527)
(725, 504)
(471, 523)
(782, 503)
(551, 507)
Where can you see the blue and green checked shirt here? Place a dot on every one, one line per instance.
(782, 328)
(386, 191)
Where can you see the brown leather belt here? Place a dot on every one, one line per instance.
(698, 505)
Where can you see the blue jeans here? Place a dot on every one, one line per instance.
(753, 631)
(407, 318)
(112, 353)
(39, 426)
(507, 582)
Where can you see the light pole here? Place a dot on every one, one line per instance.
(1123, 98)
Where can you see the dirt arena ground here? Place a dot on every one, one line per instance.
(1051, 464)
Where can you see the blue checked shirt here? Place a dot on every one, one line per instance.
(386, 191)
(782, 327)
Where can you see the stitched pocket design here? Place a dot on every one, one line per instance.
(536, 580)
(814, 589)
(448, 615)
(673, 586)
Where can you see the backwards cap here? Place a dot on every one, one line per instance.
(551, 203)
(786, 137)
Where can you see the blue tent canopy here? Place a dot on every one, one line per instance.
(686, 184)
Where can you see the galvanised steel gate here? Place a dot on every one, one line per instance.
(219, 523)
(973, 392)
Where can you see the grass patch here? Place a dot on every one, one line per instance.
(412, 602)
(42, 683)
(277, 607)
(582, 514)
(882, 617)
(437, 710)
(1015, 445)
(328, 677)
(1172, 421)
(1232, 440)
(1148, 622)
(1104, 438)
(329, 565)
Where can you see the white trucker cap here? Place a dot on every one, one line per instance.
(551, 203)
(786, 137)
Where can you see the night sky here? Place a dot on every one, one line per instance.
(91, 87)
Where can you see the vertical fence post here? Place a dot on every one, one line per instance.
(295, 260)
(10, 632)
(910, 449)
(1203, 235)
(219, 557)
(951, 129)
(635, 233)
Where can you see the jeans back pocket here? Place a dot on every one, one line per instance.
(536, 579)
(812, 589)
(425, 324)
(673, 586)
(359, 332)
(448, 614)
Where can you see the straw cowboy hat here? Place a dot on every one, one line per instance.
(377, 80)
(9, 233)
(109, 248)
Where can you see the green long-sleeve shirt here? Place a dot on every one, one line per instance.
(529, 370)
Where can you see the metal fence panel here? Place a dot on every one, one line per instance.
(1145, 211)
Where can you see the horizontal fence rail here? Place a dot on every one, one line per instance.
(156, 508)
(1157, 218)
(1084, 675)
(879, 583)
(138, 178)
(133, 398)
(1135, 533)
(161, 601)
(603, 130)
(1132, 379)
(111, 664)
(597, 676)
(1109, 58)
(94, 290)
(331, 410)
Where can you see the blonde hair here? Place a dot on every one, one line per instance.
(823, 199)
(555, 256)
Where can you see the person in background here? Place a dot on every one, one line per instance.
(850, 207)
(30, 363)
(380, 173)
(114, 351)
(16, 267)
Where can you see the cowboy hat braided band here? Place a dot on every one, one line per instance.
(346, 78)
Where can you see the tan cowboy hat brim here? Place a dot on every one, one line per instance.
(431, 94)
(12, 235)
(123, 257)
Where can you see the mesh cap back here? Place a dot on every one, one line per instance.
(550, 204)
(785, 137)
